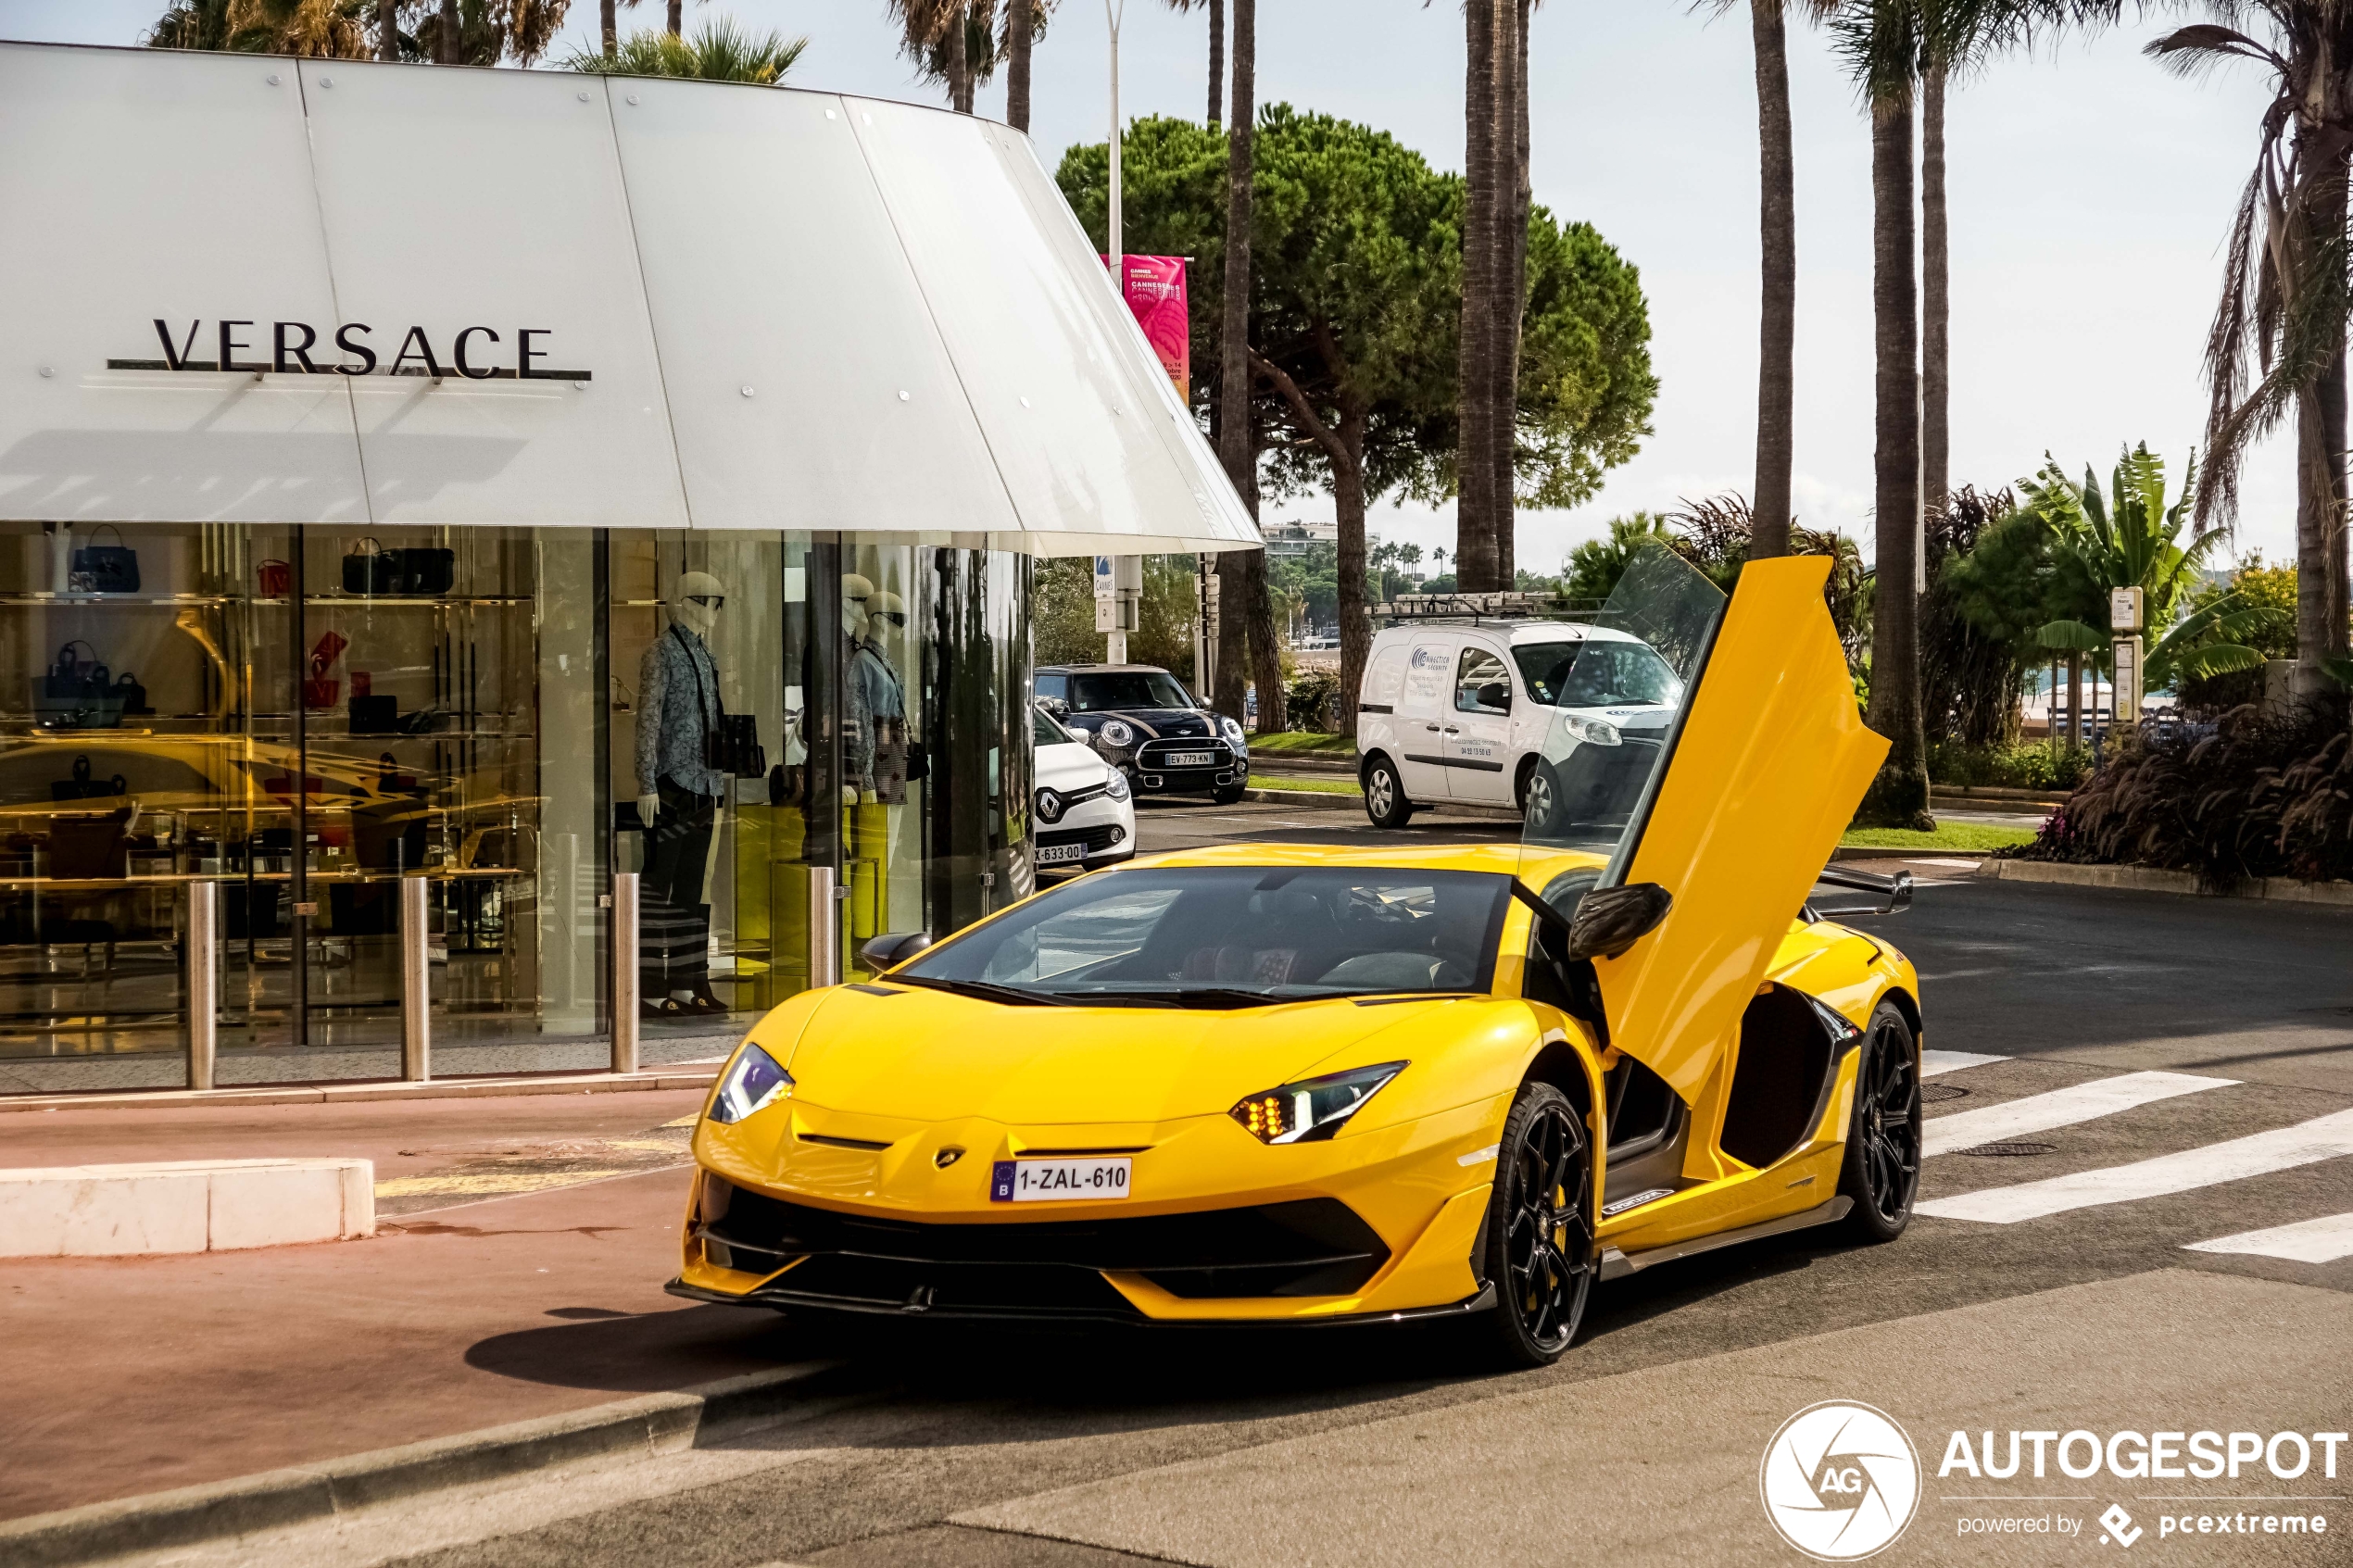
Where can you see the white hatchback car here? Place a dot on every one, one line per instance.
(1544, 717)
(1084, 815)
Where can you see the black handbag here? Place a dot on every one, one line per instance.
(388, 832)
(730, 741)
(423, 570)
(370, 570)
(375, 715)
(82, 786)
(134, 695)
(75, 696)
(105, 569)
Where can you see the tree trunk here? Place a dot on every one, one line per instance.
(1898, 797)
(1474, 476)
(388, 27)
(445, 40)
(1777, 325)
(677, 20)
(1217, 62)
(1237, 430)
(606, 19)
(1511, 275)
(2074, 701)
(1018, 22)
(959, 76)
(1355, 631)
(1936, 376)
(1266, 647)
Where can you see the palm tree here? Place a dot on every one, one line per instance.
(264, 27)
(718, 52)
(1776, 231)
(2285, 295)
(1476, 566)
(1217, 9)
(1020, 30)
(938, 36)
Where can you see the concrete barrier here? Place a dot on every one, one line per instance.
(183, 1206)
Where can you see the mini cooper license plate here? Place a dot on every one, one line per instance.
(1046, 1181)
(1061, 853)
(1188, 758)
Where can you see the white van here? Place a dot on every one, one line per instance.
(1533, 715)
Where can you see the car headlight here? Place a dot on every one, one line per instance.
(754, 1083)
(1114, 734)
(1115, 786)
(1233, 730)
(1592, 732)
(1049, 806)
(1312, 1109)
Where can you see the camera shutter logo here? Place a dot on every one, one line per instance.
(1840, 1481)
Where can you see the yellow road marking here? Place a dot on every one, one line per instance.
(684, 1121)
(509, 1181)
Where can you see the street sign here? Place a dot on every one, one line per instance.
(2126, 685)
(1106, 580)
(2124, 609)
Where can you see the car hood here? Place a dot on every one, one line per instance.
(1067, 767)
(1158, 723)
(930, 1056)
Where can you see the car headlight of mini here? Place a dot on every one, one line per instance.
(1113, 735)
(1115, 786)
(1592, 732)
(1233, 731)
(754, 1083)
(1312, 1109)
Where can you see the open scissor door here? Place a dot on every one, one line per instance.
(1739, 760)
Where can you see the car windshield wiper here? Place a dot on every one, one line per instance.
(989, 991)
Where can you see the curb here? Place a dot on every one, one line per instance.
(277, 1498)
(1332, 800)
(454, 1088)
(2153, 879)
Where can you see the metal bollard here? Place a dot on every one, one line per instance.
(416, 984)
(824, 929)
(624, 972)
(203, 981)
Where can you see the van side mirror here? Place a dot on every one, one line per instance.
(1494, 696)
(892, 948)
(1610, 920)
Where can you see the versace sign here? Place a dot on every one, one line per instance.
(472, 353)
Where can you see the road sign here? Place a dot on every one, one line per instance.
(2124, 609)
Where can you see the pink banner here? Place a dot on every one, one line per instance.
(1154, 289)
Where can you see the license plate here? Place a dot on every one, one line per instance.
(1047, 1180)
(1061, 853)
(1190, 759)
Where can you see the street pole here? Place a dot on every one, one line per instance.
(1115, 640)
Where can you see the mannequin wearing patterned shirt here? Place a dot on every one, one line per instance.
(678, 801)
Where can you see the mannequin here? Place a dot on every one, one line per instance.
(678, 800)
(885, 698)
(857, 717)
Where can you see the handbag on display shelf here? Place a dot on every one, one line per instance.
(82, 786)
(76, 695)
(424, 570)
(106, 568)
(275, 577)
(320, 690)
(370, 570)
(388, 832)
(134, 695)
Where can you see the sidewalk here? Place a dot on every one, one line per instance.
(135, 1376)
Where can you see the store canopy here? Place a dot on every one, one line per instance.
(251, 289)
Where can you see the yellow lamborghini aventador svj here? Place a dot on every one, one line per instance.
(1276, 1083)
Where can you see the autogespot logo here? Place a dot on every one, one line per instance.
(1840, 1481)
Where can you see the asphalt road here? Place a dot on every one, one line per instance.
(2103, 1031)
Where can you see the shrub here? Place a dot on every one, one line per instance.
(1310, 702)
(2254, 796)
(2024, 765)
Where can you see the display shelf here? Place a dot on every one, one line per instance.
(76, 601)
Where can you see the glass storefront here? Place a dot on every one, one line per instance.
(305, 718)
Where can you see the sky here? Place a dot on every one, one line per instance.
(2089, 193)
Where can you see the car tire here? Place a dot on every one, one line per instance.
(1881, 1173)
(1540, 796)
(1537, 1242)
(1226, 794)
(1385, 800)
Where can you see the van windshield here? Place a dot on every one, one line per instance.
(1606, 673)
(1126, 688)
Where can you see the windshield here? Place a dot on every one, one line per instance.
(1043, 730)
(1126, 689)
(1596, 673)
(1595, 773)
(1233, 936)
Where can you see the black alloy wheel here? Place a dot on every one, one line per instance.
(1882, 1170)
(1385, 800)
(1539, 797)
(1539, 1236)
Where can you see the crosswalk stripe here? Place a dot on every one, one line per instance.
(2059, 1108)
(1933, 1062)
(2284, 1148)
(2323, 1240)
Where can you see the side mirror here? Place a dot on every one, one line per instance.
(1494, 695)
(1610, 920)
(1057, 707)
(892, 948)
